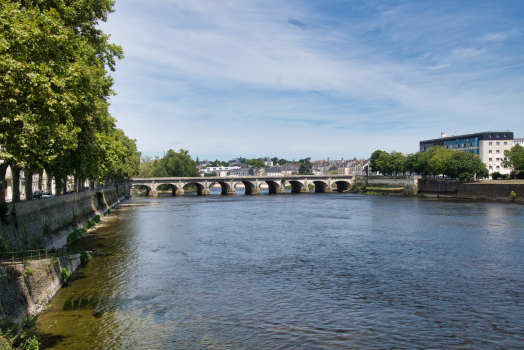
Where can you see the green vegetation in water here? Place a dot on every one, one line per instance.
(73, 236)
(64, 274)
(14, 336)
(384, 188)
(513, 196)
(85, 257)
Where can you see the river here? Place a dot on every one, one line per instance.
(296, 271)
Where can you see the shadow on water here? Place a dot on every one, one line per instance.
(49, 341)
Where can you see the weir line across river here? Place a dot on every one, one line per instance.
(298, 183)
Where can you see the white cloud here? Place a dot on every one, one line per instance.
(231, 77)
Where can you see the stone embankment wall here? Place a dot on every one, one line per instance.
(46, 223)
(22, 296)
(471, 190)
(438, 187)
(491, 192)
(408, 184)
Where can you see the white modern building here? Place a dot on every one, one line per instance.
(489, 146)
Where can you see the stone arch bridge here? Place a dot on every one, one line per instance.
(298, 183)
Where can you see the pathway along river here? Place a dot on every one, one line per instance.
(317, 271)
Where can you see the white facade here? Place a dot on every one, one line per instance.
(518, 142)
(491, 153)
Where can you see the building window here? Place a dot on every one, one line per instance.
(498, 143)
(505, 143)
(489, 135)
(505, 135)
(491, 143)
(498, 159)
(490, 167)
(498, 167)
(498, 135)
(490, 151)
(498, 151)
(491, 159)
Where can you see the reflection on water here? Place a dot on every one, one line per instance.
(317, 271)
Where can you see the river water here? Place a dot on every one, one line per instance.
(296, 271)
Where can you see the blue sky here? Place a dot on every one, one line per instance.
(318, 79)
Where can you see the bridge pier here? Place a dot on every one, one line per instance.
(228, 191)
(177, 192)
(203, 192)
(153, 193)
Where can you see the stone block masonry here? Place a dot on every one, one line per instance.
(46, 223)
(22, 296)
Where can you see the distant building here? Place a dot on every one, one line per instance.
(267, 161)
(273, 172)
(488, 146)
(518, 142)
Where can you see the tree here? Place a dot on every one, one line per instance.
(397, 162)
(383, 163)
(438, 162)
(256, 163)
(145, 163)
(274, 160)
(413, 163)
(424, 158)
(282, 161)
(306, 168)
(374, 158)
(514, 158)
(465, 166)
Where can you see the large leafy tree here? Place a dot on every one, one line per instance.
(465, 166)
(438, 162)
(514, 158)
(256, 163)
(175, 164)
(54, 88)
(306, 168)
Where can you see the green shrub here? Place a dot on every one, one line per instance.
(64, 274)
(96, 219)
(109, 210)
(53, 261)
(28, 271)
(85, 257)
(496, 175)
(513, 196)
(421, 195)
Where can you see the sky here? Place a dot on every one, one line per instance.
(295, 79)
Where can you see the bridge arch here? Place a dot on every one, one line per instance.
(250, 187)
(342, 185)
(274, 186)
(136, 186)
(321, 186)
(298, 186)
(226, 186)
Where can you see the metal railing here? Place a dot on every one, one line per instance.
(505, 182)
(28, 255)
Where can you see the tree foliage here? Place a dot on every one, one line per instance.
(173, 164)
(54, 91)
(514, 158)
(256, 163)
(436, 160)
(306, 168)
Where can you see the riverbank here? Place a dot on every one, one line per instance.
(46, 223)
(498, 191)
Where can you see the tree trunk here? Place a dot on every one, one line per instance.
(28, 185)
(49, 185)
(91, 184)
(40, 179)
(65, 185)
(58, 187)
(15, 171)
(3, 169)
